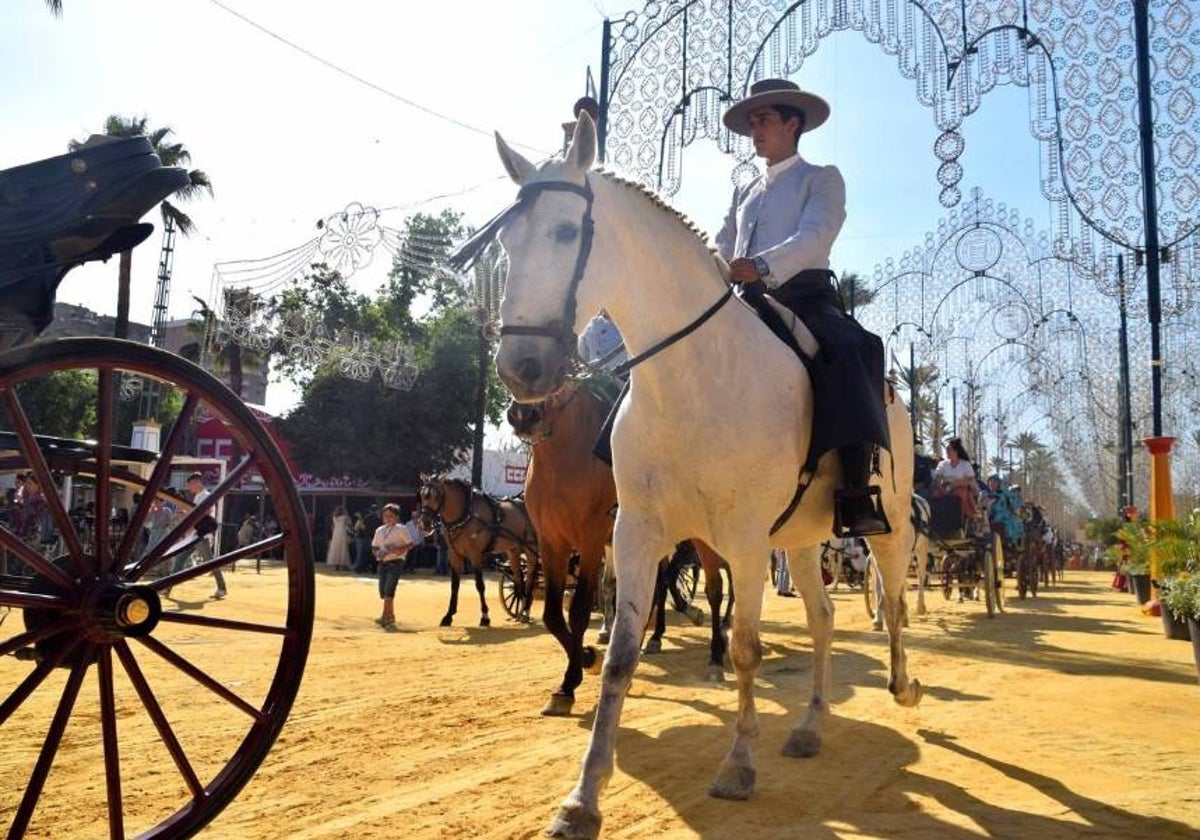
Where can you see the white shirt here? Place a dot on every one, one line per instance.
(790, 217)
(948, 472)
(601, 337)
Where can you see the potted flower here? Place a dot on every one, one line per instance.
(1132, 556)
(1176, 546)
(1182, 599)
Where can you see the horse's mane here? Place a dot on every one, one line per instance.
(661, 203)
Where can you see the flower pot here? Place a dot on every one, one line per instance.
(1194, 626)
(1140, 586)
(1173, 628)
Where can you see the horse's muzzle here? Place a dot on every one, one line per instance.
(524, 418)
(531, 369)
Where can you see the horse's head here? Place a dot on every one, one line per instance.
(431, 498)
(547, 236)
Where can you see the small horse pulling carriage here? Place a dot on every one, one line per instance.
(103, 633)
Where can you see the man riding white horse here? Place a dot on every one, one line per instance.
(777, 238)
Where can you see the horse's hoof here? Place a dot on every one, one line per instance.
(715, 674)
(590, 661)
(603, 637)
(696, 614)
(876, 625)
(911, 697)
(485, 622)
(802, 743)
(559, 705)
(575, 821)
(653, 645)
(445, 622)
(734, 781)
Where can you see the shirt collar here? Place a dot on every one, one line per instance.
(777, 169)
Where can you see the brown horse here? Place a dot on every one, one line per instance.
(479, 527)
(570, 495)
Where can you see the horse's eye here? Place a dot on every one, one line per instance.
(566, 233)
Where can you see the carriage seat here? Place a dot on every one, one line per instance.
(64, 211)
(945, 516)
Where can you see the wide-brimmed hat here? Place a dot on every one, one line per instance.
(776, 92)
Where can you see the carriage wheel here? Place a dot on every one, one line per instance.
(989, 581)
(683, 585)
(120, 646)
(869, 583)
(510, 593)
(998, 568)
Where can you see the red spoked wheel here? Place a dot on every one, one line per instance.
(163, 699)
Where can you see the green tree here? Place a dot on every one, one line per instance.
(59, 404)
(171, 153)
(344, 426)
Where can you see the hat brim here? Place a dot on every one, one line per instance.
(816, 109)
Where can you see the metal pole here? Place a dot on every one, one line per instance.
(1141, 28)
(1125, 494)
(602, 128)
(954, 411)
(912, 381)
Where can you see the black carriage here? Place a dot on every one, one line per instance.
(104, 633)
(967, 556)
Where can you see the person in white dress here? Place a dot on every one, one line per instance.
(338, 555)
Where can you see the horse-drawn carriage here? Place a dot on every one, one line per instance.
(105, 635)
(965, 554)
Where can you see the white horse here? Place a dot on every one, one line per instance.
(708, 444)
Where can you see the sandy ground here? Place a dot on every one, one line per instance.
(1070, 716)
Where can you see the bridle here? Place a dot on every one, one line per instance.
(562, 329)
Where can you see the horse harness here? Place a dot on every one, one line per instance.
(495, 527)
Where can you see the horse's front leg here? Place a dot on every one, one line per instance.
(805, 738)
(555, 560)
(892, 560)
(637, 546)
(452, 609)
(736, 776)
(531, 577)
(484, 619)
(582, 602)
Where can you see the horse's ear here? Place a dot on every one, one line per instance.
(519, 169)
(582, 153)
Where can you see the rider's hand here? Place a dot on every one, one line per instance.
(743, 270)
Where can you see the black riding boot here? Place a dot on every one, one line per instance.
(857, 511)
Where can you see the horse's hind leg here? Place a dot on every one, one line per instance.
(805, 738)
(654, 643)
(892, 559)
(484, 620)
(608, 597)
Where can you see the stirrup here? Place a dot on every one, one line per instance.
(873, 496)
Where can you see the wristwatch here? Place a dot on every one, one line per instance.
(764, 270)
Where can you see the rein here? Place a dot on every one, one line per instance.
(562, 330)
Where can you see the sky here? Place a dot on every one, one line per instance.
(288, 137)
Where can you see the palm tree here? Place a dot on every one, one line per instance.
(55, 7)
(171, 154)
(225, 356)
(853, 291)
